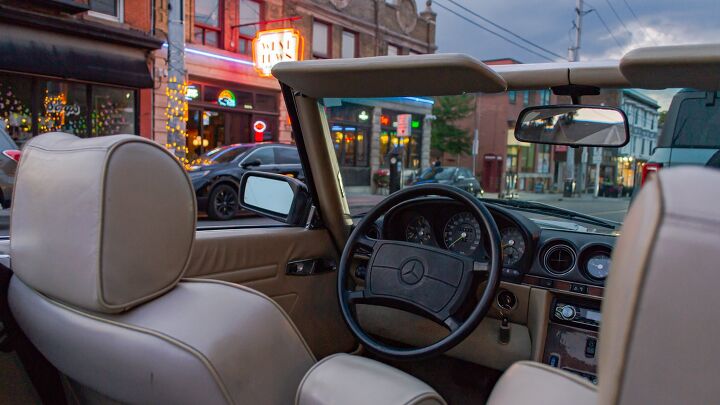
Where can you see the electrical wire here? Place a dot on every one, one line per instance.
(607, 28)
(639, 23)
(498, 26)
(493, 32)
(618, 17)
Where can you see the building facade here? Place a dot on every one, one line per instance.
(643, 116)
(81, 67)
(228, 96)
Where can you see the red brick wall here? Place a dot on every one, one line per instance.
(138, 14)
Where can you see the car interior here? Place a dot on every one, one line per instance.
(127, 302)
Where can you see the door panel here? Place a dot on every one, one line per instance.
(257, 258)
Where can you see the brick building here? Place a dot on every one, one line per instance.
(80, 66)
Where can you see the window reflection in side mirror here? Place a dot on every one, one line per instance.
(275, 196)
(573, 125)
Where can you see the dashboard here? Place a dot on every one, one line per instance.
(530, 253)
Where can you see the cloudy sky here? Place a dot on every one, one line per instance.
(549, 23)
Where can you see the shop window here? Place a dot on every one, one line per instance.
(208, 27)
(526, 98)
(63, 107)
(251, 13)
(349, 45)
(321, 40)
(512, 96)
(351, 145)
(16, 107)
(393, 50)
(113, 111)
(107, 8)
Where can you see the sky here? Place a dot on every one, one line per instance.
(549, 23)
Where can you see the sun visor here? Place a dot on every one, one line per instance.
(693, 66)
(390, 76)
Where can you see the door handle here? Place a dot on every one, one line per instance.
(309, 267)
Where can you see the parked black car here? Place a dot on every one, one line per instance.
(9, 158)
(217, 177)
(453, 176)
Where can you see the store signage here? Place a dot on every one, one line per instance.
(363, 116)
(275, 46)
(191, 92)
(403, 125)
(561, 148)
(384, 120)
(416, 124)
(259, 127)
(226, 98)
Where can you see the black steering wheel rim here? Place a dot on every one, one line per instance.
(462, 330)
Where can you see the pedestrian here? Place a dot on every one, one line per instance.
(437, 162)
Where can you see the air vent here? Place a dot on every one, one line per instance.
(559, 258)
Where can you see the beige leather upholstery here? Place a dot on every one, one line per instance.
(658, 339)
(103, 223)
(528, 382)
(102, 230)
(351, 380)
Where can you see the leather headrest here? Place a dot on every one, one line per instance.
(658, 339)
(104, 223)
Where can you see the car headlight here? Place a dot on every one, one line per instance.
(198, 174)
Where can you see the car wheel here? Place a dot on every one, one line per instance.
(223, 202)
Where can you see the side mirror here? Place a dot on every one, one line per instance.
(275, 196)
(460, 177)
(573, 125)
(254, 162)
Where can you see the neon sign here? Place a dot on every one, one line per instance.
(226, 98)
(259, 127)
(274, 46)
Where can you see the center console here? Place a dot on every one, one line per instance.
(571, 342)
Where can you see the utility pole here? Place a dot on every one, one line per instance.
(574, 56)
(177, 106)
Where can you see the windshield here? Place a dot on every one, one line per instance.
(437, 173)
(222, 155)
(697, 124)
(468, 142)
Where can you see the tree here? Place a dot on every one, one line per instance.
(661, 119)
(446, 136)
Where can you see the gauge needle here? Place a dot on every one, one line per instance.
(462, 236)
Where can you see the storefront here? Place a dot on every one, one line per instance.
(224, 114)
(351, 129)
(32, 105)
(56, 80)
(410, 146)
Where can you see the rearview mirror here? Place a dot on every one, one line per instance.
(275, 196)
(573, 125)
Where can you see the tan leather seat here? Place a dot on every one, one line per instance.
(659, 333)
(101, 234)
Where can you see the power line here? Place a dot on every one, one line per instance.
(493, 32)
(505, 29)
(607, 28)
(618, 17)
(639, 23)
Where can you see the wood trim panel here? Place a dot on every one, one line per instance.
(563, 286)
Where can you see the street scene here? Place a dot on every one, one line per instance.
(346, 202)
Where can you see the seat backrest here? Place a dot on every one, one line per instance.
(102, 231)
(660, 324)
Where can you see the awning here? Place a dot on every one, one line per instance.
(26, 50)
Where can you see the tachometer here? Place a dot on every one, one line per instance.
(513, 245)
(462, 234)
(419, 231)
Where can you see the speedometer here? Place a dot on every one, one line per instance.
(462, 233)
(513, 245)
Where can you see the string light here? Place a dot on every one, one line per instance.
(176, 115)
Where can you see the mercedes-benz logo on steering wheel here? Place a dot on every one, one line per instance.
(412, 271)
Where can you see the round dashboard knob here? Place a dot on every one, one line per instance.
(568, 312)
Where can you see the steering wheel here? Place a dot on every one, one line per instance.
(428, 281)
